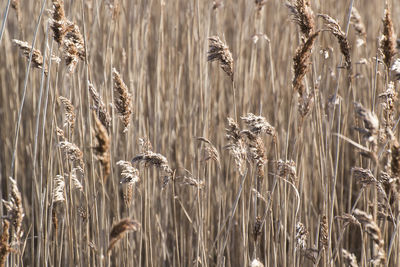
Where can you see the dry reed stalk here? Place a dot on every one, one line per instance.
(73, 153)
(122, 99)
(349, 258)
(334, 28)
(67, 35)
(37, 58)
(236, 146)
(99, 106)
(323, 232)
(388, 41)
(69, 113)
(130, 176)
(119, 229)
(373, 230)
(359, 27)
(156, 160)
(5, 247)
(303, 16)
(301, 63)
(210, 151)
(102, 150)
(15, 209)
(219, 51)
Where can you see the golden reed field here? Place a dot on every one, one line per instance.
(199, 133)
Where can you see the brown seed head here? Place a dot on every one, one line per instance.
(122, 99)
(303, 16)
(334, 28)
(219, 51)
(388, 42)
(119, 229)
(37, 58)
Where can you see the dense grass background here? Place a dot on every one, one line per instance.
(160, 48)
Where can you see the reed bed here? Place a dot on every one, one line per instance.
(199, 133)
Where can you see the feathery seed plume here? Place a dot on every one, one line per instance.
(156, 160)
(388, 41)
(37, 58)
(219, 51)
(130, 176)
(69, 112)
(303, 16)
(99, 107)
(334, 28)
(15, 209)
(119, 229)
(122, 99)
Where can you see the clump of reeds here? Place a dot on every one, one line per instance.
(37, 58)
(334, 28)
(5, 247)
(149, 158)
(67, 35)
(118, 231)
(99, 107)
(388, 41)
(210, 151)
(102, 150)
(130, 176)
(122, 99)
(219, 51)
(359, 27)
(69, 113)
(303, 16)
(73, 153)
(15, 209)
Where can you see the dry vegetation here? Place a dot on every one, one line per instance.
(199, 133)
